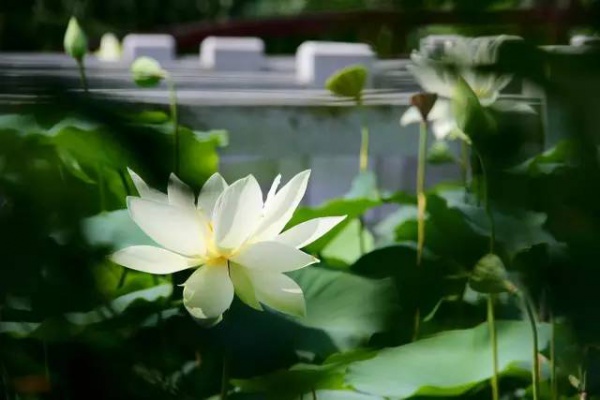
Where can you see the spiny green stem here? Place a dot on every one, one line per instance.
(535, 373)
(494, 346)
(175, 118)
(82, 75)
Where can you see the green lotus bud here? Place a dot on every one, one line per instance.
(349, 81)
(75, 41)
(489, 276)
(147, 72)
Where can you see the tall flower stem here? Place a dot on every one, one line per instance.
(82, 75)
(421, 199)
(175, 118)
(535, 372)
(421, 207)
(363, 165)
(494, 345)
(491, 319)
(364, 138)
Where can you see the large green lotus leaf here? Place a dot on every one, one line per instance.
(299, 379)
(364, 186)
(418, 287)
(73, 166)
(445, 365)
(386, 228)
(91, 147)
(304, 379)
(73, 122)
(447, 234)
(352, 208)
(114, 230)
(348, 245)
(198, 156)
(333, 306)
(120, 304)
(516, 230)
(552, 160)
(22, 124)
(61, 327)
(344, 395)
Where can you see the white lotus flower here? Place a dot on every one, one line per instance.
(435, 77)
(231, 236)
(441, 118)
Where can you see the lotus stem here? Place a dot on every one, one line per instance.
(363, 166)
(175, 118)
(364, 147)
(535, 372)
(491, 297)
(421, 199)
(421, 208)
(494, 346)
(82, 75)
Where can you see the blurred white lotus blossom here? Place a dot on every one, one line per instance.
(441, 118)
(466, 55)
(231, 236)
